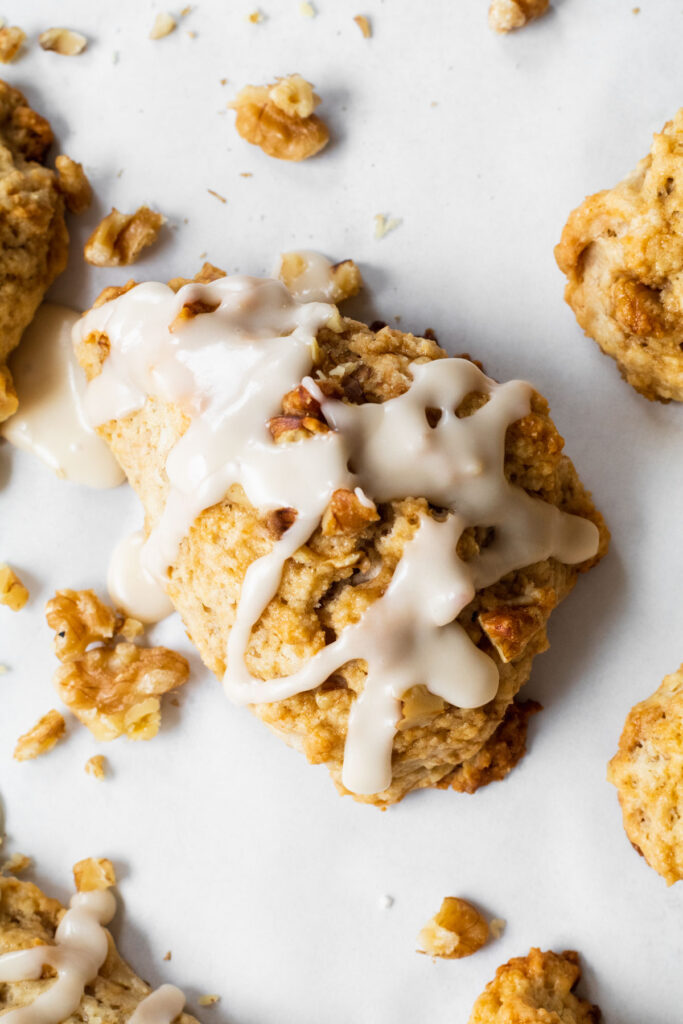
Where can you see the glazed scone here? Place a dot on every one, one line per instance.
(33, 235)
(648, 773)
(28, 919)
(349, 560)
(622, 252)
(535, 989)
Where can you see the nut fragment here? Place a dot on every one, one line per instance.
(341, 281)
(11, 40)
(79, 619)
(419, 706)
(385, 224)
(295, 428)
(63, 41)
(458, 930)
(510, 629)
(73, 184)
(94, 874)
(41, 737)
(164, 24)
(363, 25)
(279, 118)
(96, 766)
(507, 15)
(208, 1000)
(347, 514)
(119, 238)
(497, 926)
(17, 863)
(13, 593)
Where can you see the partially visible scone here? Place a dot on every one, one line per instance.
(535, 989)
(648, 773)
(33, 235)
(622, 252)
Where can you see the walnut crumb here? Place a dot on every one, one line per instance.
(217, 195)
(497, 927)
(458, 930)
(364, 25)
(13, 593)
(256, 17)
(131, 629)
(307, 10)
(17, 863)
(96, 766)
(63, 41)
(164, 24)
(93, 874)
(119, 238)
(385, 224)
(41, 737)
(73, 184)
(508, 15)
(280, 119)
(11, 41)
(208, 1000)
(167, 956)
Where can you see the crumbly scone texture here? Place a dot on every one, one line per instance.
(330, 581)
(622, 252)
(33, 235)
(29, 918)
(648, 773)
(535, 989)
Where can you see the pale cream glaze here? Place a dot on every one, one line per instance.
(80, 949)
(50, 422)
(315, 283)
(228, 370)
(131, 587)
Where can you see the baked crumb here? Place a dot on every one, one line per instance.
(11, 40)
(119, 238)
(497, 926)
(73, 184)
(131, 629)
(217, 195)
(13, 593)
(256, 17)
(94, 874)
(208, 1000)
(307, 10)
(96, 766)
(364, 25)
(17, 863)
(508, 15)
(164, 24)
(457, 931)
(167, 956)
(63, 41)
(41, 737)
(385, 224)
(280, 119)
(345, 279)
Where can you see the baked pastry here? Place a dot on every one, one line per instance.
(299, 483)
(535, 989)
(622, 252)
(103, 987)
(33, 235)
(648, 773)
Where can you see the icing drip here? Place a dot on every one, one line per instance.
(160, 1007)
(315, 280)
(228, 370)
(131, 587)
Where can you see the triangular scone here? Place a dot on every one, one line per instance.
(349, 562)
(29, 918)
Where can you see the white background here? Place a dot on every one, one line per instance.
(231, 851)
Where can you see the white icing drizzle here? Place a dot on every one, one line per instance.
(131, 587)
(50, 422)
(228, 370)
(315, 283)
(81, 946)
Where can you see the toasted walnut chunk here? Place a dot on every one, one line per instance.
(458, 930)
(164, 24)
(419, 706)
(279, 118)
(13, 593)
(79, 619)
(73, 184)
(507, 15)
(96, 766)
(364, 25)
(11, 41)
(510, 629)
(94, 874)
(17, 863)
(209, 1000)
(41, 737)
(63, 41)
(347, 514)
(119, 238)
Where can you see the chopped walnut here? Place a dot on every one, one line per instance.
(256, 17)
(41, 738)
(363, 25)
(94, 874)
(13, 593)
(164, 24)
(347, 514)
(131, 629)
(73, 184)
(295, 428)
(17, 863)
(510, 629)
(384, 224)
(507, 15)
(189, 311)
(345, 278)
(63, 41)
(119, 239)
(11, 40)
(208, 1000)
(79, 619)
(279, 521)
(307, 10)
(497, 926)
(279, 118)
(96, 766)
(458, 930)
(419, 706)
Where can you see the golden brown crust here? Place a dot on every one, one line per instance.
(535, 989)
(29, 918)
(622, 252)
(648, 773)
(501, 752)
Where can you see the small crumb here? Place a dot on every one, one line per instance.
(497, 926)
(94, 874)
(63, 41)
(386, 901)
(256, 17)
(167, 956)
(11, 41)
(3, 669)
(73, 183)
(119, 238)
(364, 25)
(208, 1000)
(185, 11)
(307, 10)
(224, 81)
(115, 57)
(217, 195)
(246, 174)
(458, 930)
(17, 863)
(13, 593)
(636, 10)
(384, 224)
(41, 737)
(434, 103)
(164, 24)
(192, 34)
(96, 766)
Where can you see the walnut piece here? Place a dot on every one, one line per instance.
(63, 41)
(507, 15)
(79, 619)
(73, 184)
(189, 311)
(94, 874)
(13, 593)
(419, 706)
(345, 278)
(41, 738)
(458, 930)
(164, 24)
(279, 118)
(17, 863)
(347, 514)
(11, 40)
(363, 25)
(208, 1000)
(295, 428)
(119, 239)
(96, 766)
(510, 629)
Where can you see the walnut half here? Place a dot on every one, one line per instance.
(279, 118)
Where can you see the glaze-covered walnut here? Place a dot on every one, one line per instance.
(41, 737)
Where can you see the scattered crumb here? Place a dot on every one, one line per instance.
(508, 15)
(115, 57)
(256, 17)
(11, 40)
(384, 224)
(224, 81)
(364, 25)
(93, 874)
(41, 737)
(96, 766)
(13, 593)
(164, 24)
(458, 930)
(217, 195)
(636, 10)
(63, 41)
(192, 34)
(119, 238)
(167, 956)
(3, 669)
(386, 902)
(307, 10)
(17, 863)
(280, 119)
(185, 11)
(208, 1000)
(72, 182)
(497, 927)
(246, 174)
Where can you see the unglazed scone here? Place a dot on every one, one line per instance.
(29, 919)
(349, 560)
(33, 235)
(535, 989)
(648, 773)
(622, 252)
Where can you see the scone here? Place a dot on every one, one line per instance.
(363, 537)
(29, 922)
(622, 252)
(33, 235)
(535, 989)
(648, 773)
